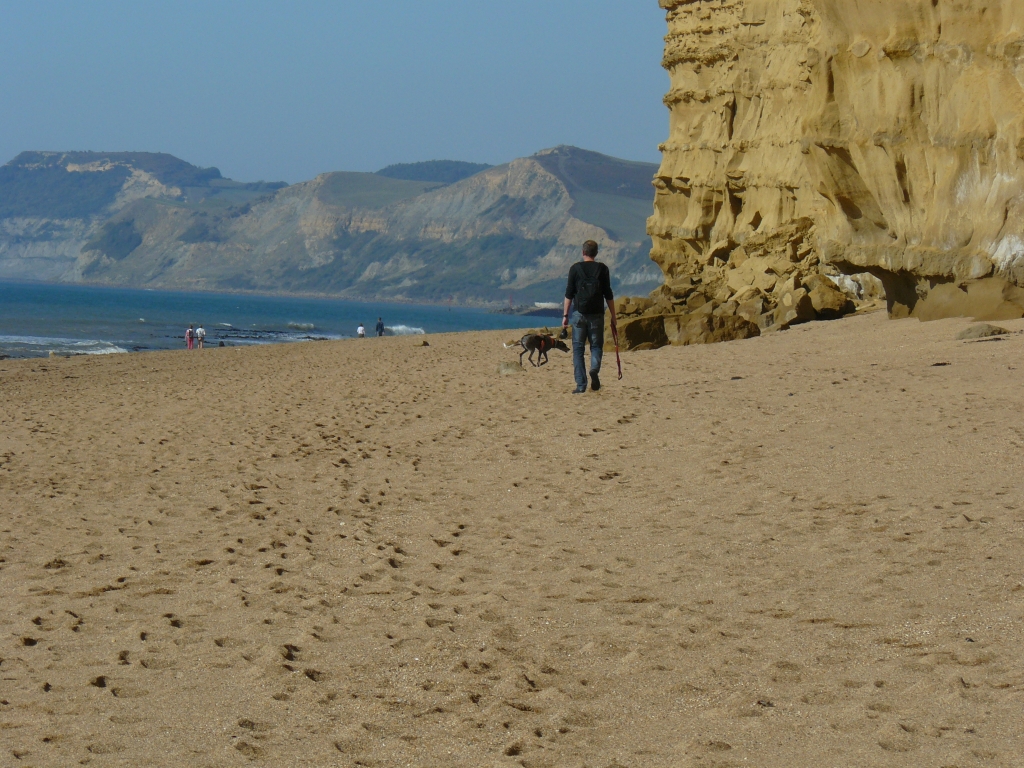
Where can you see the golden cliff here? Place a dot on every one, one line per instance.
(837, 137)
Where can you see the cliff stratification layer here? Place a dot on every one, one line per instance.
(840, 137)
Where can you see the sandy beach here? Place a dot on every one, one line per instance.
(802, 549)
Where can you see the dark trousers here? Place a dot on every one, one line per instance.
(586, 327)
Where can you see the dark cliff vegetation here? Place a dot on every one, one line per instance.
(204, 229)
(40, 184)
(51, 192)
(225, 193)
(368, 190)
(115, 240)
(441, 171)
(608, 192)
(583, 170)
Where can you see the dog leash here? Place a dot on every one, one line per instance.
(618, 362)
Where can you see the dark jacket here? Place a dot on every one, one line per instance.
(590, 269)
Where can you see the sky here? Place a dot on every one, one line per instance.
(282, 91)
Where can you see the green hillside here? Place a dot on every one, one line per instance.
(51, 192)
(369, 190)
(54, 185)
(442, 171)
(610, 193)
(167, 168)
(583, 170)
(221, 193)
(623, 218)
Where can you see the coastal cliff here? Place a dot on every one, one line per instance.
(862, 141)
(407, 233)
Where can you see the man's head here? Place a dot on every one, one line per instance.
(590, 250)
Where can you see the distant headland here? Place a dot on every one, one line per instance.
(436, 231)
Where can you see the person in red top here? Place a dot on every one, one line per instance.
(190, 337)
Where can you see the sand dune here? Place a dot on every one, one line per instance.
(797, 550)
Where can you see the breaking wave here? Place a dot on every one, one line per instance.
(41, 346)
(402, 330)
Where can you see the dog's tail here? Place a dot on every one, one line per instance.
(513, 344)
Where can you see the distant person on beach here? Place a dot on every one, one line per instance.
(200, 335)
(590, 287)
(190, 337)
(361, 331)
(380, 326)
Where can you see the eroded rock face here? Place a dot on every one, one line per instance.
(845, 136)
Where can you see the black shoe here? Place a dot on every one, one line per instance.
(579, 390)
(595, 383)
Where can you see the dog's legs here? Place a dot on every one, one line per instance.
(521, 357)
(542, 355)
(531, 359)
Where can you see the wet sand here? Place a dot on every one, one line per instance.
(799, 550)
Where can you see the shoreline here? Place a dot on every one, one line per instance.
(257, 344)
(36, 318)
(261, 294)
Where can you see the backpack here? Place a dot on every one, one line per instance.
(589, 297)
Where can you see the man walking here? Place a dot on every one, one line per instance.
(200, 336)
(380, 326)
(590, 286)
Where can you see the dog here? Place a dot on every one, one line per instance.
(539, 343)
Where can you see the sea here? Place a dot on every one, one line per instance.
(39, 318)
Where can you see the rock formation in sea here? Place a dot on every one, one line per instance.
(876, 140)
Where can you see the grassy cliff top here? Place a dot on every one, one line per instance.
(349, 189)
(70, 185)
(442, 171)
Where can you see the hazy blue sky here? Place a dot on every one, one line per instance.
(286, 90)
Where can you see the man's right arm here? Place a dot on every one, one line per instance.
(609, 297)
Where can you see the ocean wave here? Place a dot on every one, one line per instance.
(402, 330)
(301, 326)
(110, 349)
(38, 346)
